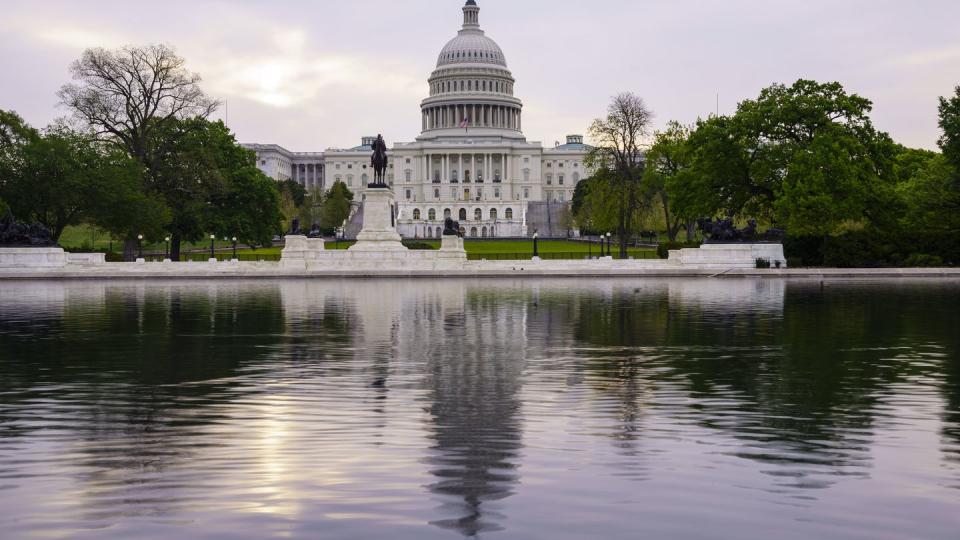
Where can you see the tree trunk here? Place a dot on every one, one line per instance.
(175, 247)
(130, 250)
(691, 231)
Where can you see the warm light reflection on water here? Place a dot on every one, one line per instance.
(495, 408)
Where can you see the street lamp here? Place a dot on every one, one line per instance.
(213, 239)
(234, 247)
(166, 249)
(536, 252)
(609, 251)
(139, 246)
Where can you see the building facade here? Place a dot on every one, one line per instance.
(471, 161)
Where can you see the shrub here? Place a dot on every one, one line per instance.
(763, 263)
(923, 260)
(418, 246)
(664, 248)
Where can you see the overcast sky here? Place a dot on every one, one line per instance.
(311, 75)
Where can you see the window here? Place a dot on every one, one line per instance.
(509, 213)
(526, 159)
(493, 213)
(408, 161)
(576, 165)
(338, 166)
(407, 175)
(478, 215)
(432, 214)
(473, 232)
(526, 175)
(263, 162)
(560, 196)
(496, 193)
(436, 193)
(453, 193)
(364, 178)
(549, 164)
(560, 164)
(463, 214)
(479, 193)
(349, 165)
(350, 180)
(526, 193)
(408, 198)
(549, 179)
(446, 213)
(454, 176)
(560, 180)
(416, 211)
(576, 178)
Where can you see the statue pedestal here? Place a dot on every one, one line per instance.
(32, 257)
(379, 232)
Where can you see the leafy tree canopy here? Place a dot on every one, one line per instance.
(805, 156)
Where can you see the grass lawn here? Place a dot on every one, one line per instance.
(85, 236)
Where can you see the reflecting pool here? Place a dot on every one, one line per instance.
(502, 408)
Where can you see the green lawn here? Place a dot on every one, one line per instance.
(86, 237)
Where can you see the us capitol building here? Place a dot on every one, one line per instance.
(471, 161)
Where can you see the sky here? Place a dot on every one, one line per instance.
(312, 75)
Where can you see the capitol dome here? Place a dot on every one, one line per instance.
(471, 86)
(471, 47)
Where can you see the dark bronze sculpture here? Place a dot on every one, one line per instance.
(14, 233)
(379, 162)
(295, 227)
(451, 228)
(724, 231)
(315, 231)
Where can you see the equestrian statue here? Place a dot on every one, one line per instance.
(379, 162)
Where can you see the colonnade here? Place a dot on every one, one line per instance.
(309, 175)
(472, 167)
(493, 116)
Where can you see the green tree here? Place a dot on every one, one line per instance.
(667, 175)
(619, 136)
(136, 98)
(211, 185)
(805, 156)
(336, 206)
(297, 192)
(61, 178)
(950, 124)
(311, 211)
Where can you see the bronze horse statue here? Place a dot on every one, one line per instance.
(379, 162)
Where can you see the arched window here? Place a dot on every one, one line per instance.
(463, 214)
(439, 232)
(473, 232)
(493, 213)
(432, 214)
(350, 180)
(416, 214)
(508, 213)
(483, 232)
(446, 213)
(478, 215)
(484, 86)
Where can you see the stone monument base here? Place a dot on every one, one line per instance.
(379, 231)
(32, 257)
(730, 255)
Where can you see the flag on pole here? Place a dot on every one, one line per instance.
(465, 123)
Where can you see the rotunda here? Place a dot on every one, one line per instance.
(471, 88)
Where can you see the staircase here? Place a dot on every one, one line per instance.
(545, 218)
(354, 222)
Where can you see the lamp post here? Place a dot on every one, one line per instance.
(213, 255)
(601, 245)
(536, 252)
(234, 247)
(139, 246)
(609, 251)
(166, 249)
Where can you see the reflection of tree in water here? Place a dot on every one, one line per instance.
(798, 389)
(474, 360)
(133, 376)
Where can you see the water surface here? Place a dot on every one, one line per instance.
(630, 408)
